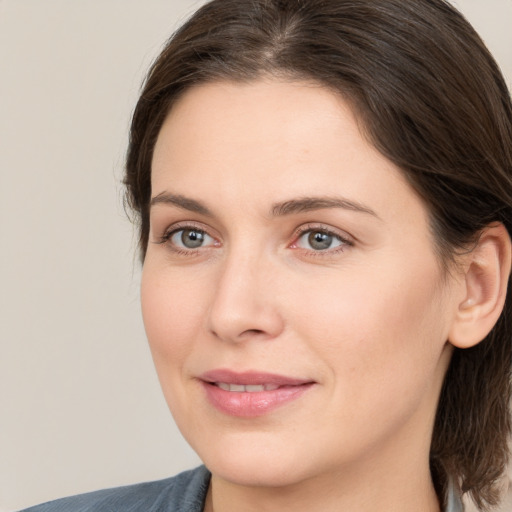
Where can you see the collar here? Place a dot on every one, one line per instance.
(453, 500)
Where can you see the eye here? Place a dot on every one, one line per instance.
(319, 239)
(190, 238)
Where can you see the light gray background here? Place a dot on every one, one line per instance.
(80, 405)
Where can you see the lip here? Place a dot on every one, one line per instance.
(255, 403)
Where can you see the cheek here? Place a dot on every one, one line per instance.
(171, 311)
(380, 333)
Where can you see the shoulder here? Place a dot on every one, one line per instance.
(185, 492)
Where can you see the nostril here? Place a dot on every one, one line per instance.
(242, 336)
(252, 332)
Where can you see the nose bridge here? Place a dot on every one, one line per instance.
(243, 305)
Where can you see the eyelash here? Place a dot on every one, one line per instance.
(298, 234)
(176, 228)
(316, 228)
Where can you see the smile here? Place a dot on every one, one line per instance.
(251, 394)
(246, 388)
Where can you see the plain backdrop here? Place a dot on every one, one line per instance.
(80, 405)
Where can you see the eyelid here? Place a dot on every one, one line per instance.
(346, 239)
(182, 225)
(305, 228)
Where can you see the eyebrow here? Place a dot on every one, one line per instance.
(182, 202)
(292, 206)
(306, 204)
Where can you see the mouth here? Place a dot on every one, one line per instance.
(250, 379)
(246, 388)
(251, 394)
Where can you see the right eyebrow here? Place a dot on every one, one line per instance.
(182, 202)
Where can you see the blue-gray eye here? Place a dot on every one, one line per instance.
(191, 238)
(318, 240)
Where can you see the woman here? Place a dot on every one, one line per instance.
(324, 192)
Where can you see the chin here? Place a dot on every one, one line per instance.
(256, 464)
(248, 473)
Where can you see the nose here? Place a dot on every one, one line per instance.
(245, 303)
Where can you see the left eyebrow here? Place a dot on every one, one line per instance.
(307, 204)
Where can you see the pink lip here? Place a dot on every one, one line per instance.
(256, 403)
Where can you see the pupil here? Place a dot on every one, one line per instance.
(320, 241)
(192, 239)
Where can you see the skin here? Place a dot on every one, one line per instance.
(366, 319)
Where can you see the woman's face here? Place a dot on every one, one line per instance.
(295, 309)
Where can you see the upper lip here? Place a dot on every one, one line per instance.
(251, 378)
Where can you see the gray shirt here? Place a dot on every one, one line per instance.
(185, 492)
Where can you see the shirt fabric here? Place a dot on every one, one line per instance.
(185, 492)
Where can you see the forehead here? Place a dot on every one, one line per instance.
(272, 140)
(226, 118)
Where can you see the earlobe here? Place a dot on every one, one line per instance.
(486, 275)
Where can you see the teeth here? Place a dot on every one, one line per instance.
(249, 388)
(254, 388)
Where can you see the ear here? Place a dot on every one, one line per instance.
(485, 280)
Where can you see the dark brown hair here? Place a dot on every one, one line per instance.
(430, 98)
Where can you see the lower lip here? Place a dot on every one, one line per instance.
(249, 405)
